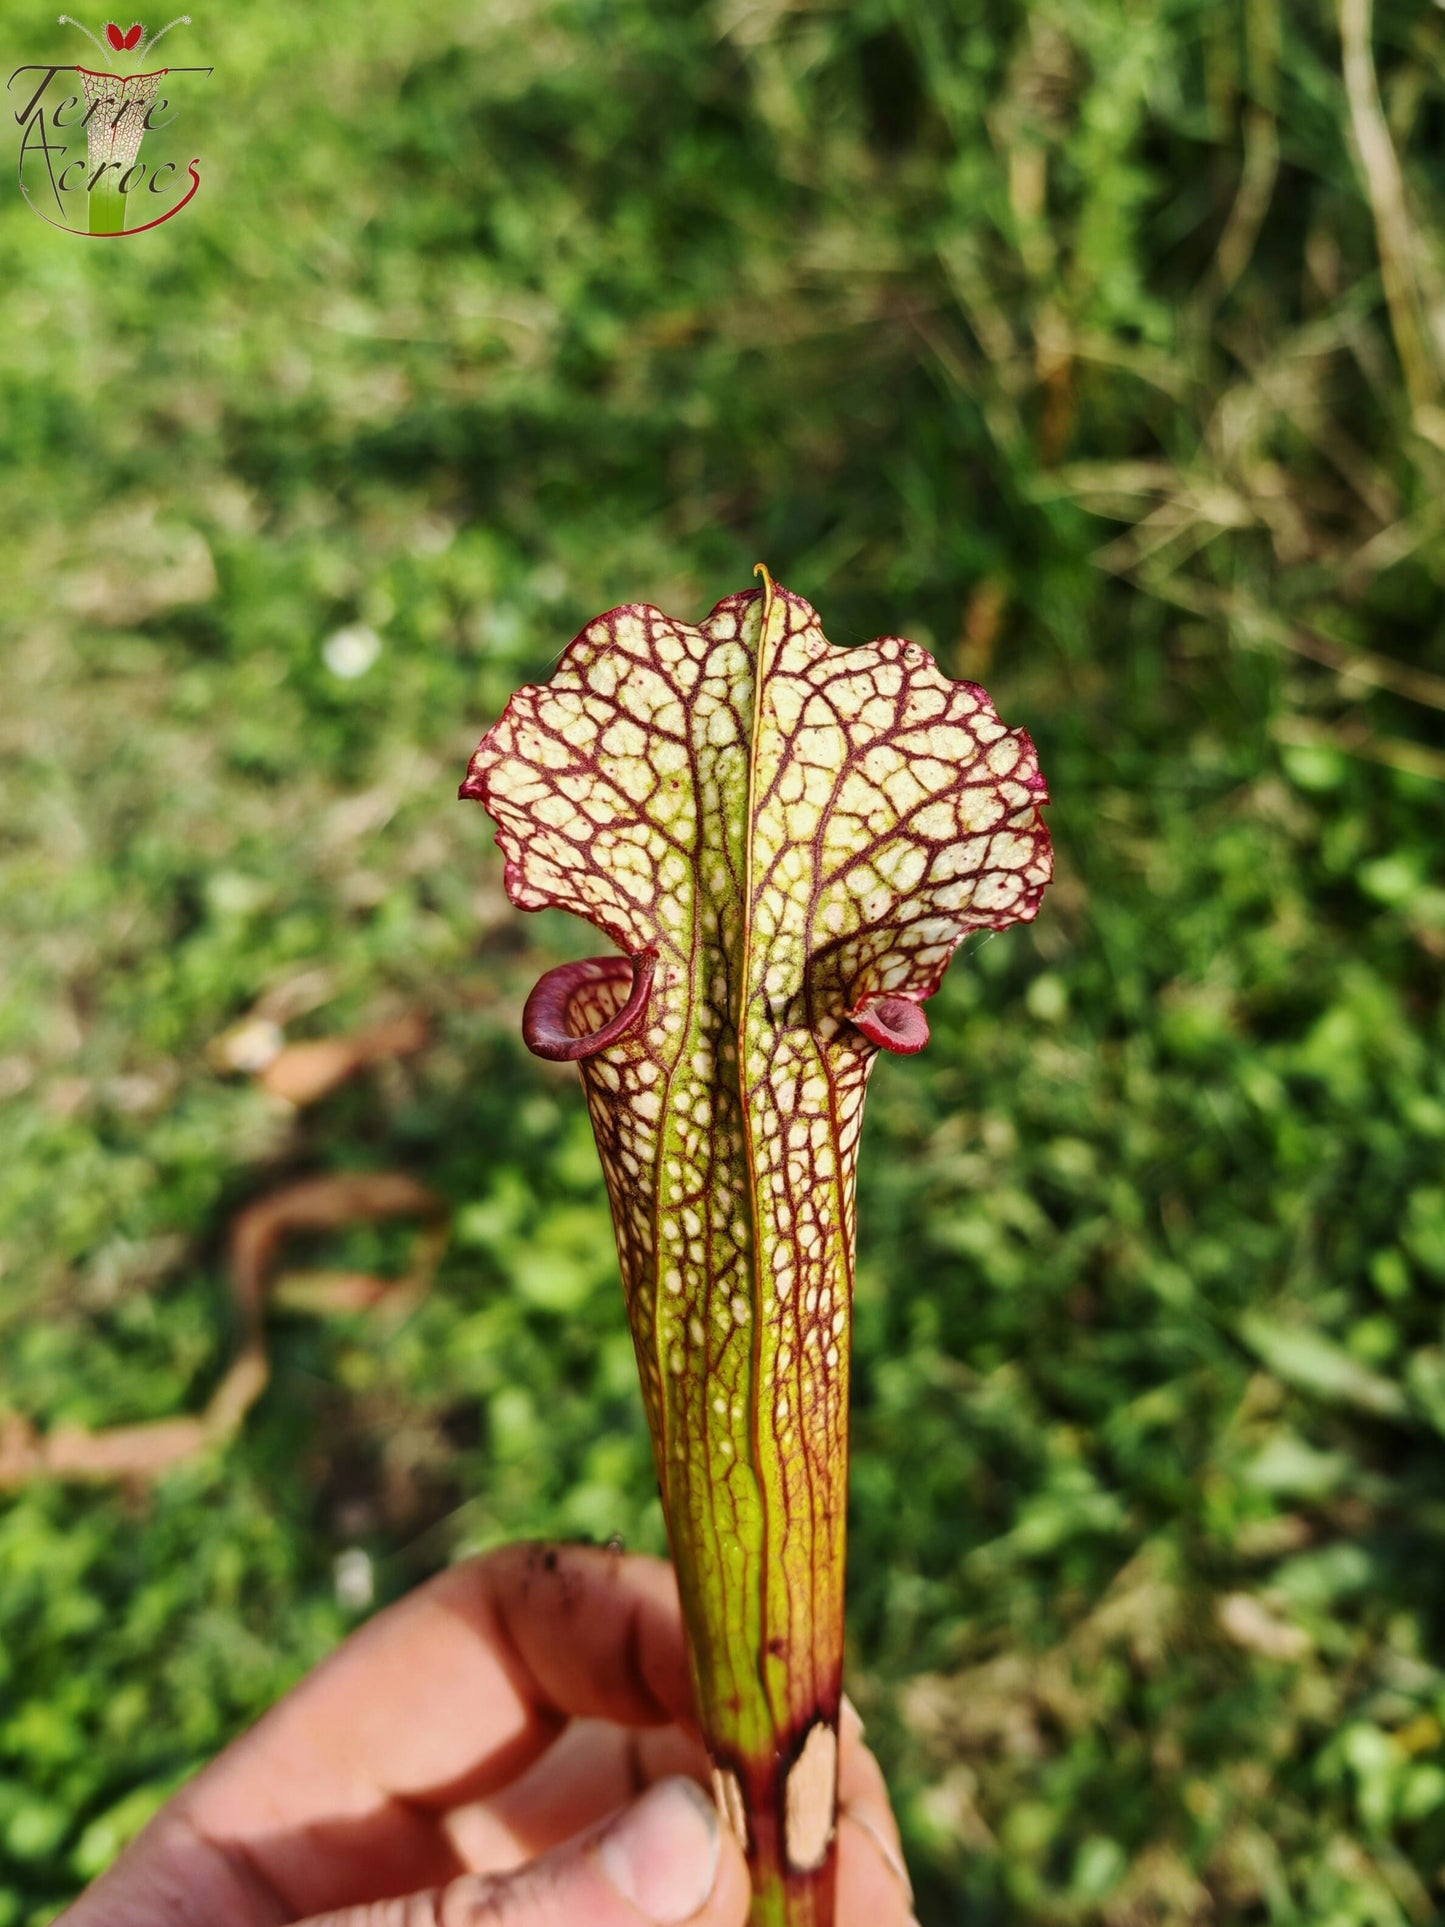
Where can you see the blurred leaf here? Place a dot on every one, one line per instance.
(1312, 1363)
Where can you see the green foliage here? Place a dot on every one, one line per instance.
(1055, 338)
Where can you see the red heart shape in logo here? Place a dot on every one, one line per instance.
(123, 42)
(133, 36)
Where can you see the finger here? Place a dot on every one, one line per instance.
(588, 1773)
(873, 1889)
(668, 1749)
(338, 1794)
(595, 1766)
(873, 1884)
(173, 1877)
(440, 1701)
(664, 1861)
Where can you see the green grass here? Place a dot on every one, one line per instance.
(1056, 338)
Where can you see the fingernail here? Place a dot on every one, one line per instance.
(662, 1853)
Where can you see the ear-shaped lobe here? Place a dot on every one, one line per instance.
(579, 1009)
(894, 1023)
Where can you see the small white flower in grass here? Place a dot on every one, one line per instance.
(354, 1580)
(251, 1045)
(351, 651)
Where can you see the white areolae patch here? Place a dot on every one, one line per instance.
(811, 1800)
(728, 1793)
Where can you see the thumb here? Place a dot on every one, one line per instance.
(664, 1861)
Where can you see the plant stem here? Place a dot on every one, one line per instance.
(107, 207)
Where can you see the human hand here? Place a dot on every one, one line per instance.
(456, 1762)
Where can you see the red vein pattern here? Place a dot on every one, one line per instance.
(793, 851)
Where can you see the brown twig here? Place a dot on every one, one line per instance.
(141, 1452)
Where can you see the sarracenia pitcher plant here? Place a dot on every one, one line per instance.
(118, 106)
(786, 842)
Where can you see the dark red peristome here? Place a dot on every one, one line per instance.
(563, 992)
(896, 1023)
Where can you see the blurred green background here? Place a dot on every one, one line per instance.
(1098, 347)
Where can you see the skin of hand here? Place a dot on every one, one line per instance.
(512, 1745)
